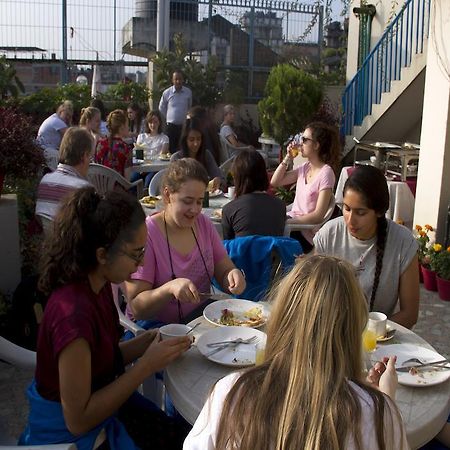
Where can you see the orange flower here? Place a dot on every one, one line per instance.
(428, 228)
(448, 249)
(418, 228)
(422, 233)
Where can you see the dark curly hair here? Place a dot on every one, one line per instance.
(86, 222)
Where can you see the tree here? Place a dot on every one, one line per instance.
(10, 83)
(200, 78)
(291, 97)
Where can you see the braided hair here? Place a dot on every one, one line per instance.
(371, 184)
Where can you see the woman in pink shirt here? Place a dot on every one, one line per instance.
(319, 144)
(183, 252)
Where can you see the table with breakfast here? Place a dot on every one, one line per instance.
(225, 341)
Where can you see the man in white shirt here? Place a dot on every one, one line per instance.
(174, 105)
(74, 157)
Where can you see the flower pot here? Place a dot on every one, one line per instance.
(443, 287)
(429, 279)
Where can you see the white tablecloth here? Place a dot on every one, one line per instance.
(401, 206)
(190, 378)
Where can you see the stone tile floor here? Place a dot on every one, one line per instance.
(433, 325)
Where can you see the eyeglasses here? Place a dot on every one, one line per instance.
(136, 258)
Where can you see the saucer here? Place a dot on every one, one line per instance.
(390, 333)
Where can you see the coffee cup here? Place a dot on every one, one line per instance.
(377, 323)
(174, 330)
(231, 192)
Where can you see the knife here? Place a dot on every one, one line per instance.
(420, 366)
(215, 296)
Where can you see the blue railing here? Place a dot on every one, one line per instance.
(403, 38)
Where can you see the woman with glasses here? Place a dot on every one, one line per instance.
(315, 179)
(80, 388)
(309, 392)
(183, 253)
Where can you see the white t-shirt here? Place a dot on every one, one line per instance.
(334, 239)
(49, 132)
(153, 144)
(203, 434)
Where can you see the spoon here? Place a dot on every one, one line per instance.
(193, 328)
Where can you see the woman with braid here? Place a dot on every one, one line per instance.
(384, 253)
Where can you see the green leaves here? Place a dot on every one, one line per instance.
(10, 83)
(291, 98)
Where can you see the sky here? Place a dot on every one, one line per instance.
(93, 28)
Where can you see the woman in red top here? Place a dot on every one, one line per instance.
(113, 151)
(80, 385)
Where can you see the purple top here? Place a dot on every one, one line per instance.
(307, 194)
(156, 269)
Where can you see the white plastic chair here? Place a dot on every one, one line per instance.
(105, 179)
(228, 151)
(152, 388)
(154, 188)
(289, 227)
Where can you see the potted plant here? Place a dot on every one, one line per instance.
(442, 267)
(20, 157)
(423, 240)
(291, 98)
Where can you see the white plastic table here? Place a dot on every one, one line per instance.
(190, 378)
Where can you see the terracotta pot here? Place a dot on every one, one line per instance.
(429, 279)
(443, 287)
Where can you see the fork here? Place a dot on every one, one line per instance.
(234, 341)
(418, 361)
(232, 345)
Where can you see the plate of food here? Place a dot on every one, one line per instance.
(415, 376)
(149, 201)
(236, 312)
(165, 156)
(233, 355)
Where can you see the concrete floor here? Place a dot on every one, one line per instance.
(433, 325)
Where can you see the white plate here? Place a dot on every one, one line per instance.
(407, 351)
(216, 193)
(241, 355)
(137, 161)
(213, 311)
(227, 195)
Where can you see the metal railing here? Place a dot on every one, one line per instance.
(403, 38)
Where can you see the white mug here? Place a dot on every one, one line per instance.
(231, 192)
(377, 323)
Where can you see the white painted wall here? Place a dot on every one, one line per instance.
(433, 182)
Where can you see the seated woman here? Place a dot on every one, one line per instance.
(309, 392)
(155, 141)
(113, 151)
(80, 386)
(253, 211)
(90, 120)
(135, 122)
(183, 252)
(192, 144)
(383, 253)
(315, 179)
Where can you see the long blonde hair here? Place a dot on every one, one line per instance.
(300, 397)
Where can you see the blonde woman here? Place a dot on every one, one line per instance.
(309, 392)
(90, 120)
(113, 151)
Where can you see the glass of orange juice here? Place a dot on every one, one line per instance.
(260, 351)
(369, 340)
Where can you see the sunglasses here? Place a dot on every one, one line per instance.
(305, 140)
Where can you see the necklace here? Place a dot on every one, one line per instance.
(174, 277)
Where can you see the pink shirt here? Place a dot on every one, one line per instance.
(306, 194)
(156, 269)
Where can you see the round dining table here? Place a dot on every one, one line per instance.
(191, 377)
